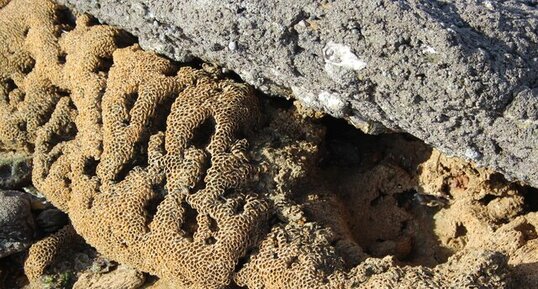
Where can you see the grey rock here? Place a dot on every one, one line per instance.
(16, 222)
(51, 220)
(460, 75)
(15, 169)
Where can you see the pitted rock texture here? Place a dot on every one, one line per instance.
(460, 75)
(187, 175)
(15, 169)
(16, 222)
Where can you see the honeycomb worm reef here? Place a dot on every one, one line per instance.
(176, 171)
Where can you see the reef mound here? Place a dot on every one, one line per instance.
(190, 176)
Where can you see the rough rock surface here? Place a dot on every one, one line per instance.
(188, 175)
(16, 222)
(51, 220)
(15, 169)
(122, 277)
(460, 75)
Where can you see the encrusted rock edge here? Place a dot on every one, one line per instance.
(460, 76)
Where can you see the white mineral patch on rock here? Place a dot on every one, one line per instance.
(306, 97)
(232, 45)
(338, 54)
(472, 154)
(489, 5)
(332, 102)
(429, 49)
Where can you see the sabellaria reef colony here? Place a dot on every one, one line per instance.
(191, 177)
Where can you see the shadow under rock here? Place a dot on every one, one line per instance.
(375, 178)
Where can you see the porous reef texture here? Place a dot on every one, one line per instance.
(484, 212)
(460, 75)
(122, 277)
(175, 171)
